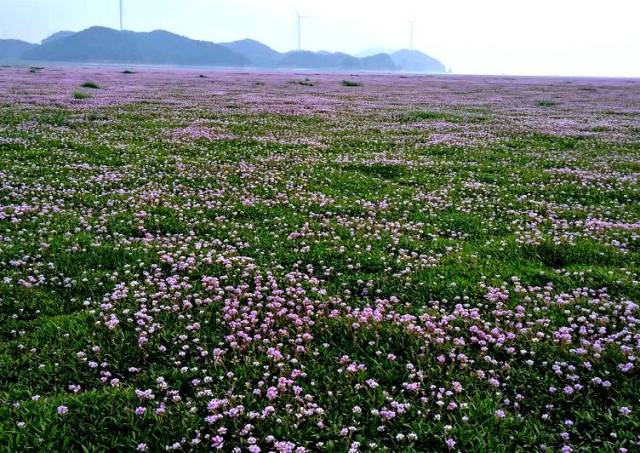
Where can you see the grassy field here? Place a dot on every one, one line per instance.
(301, 262)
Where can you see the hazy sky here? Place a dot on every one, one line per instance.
(563, 37)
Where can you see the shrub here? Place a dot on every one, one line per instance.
(424, 115)
(92, 85)
(351, 83)
(81, 95)
(305, 82)
(546, 103)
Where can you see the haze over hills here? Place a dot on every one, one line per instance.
(373, 51)
(259, 54)
(337, 60)
(106, 45)
(57, 35)
(13, 49)
(416, 61)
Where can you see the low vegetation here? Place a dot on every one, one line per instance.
(249, 265)
(81, 95)
(91, 85)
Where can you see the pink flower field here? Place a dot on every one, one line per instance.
(299, 262)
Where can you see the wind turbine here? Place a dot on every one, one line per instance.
(120, 15)
(411, 25)
(299, 28)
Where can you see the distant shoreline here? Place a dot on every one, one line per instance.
(301, 71)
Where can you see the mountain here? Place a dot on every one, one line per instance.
(416, 61)
(303, 59)
(57, 35)
(12, 49)
(106, 45)
(377, 62)
(100, 44)
(373, 51)
(262, 56)
(257, 53)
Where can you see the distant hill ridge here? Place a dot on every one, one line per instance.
(13, 49)
(106, 45)
(416, 61)
(57, 35)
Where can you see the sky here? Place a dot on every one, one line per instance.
(516, 37)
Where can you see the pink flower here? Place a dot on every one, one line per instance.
(372, 384)
(274, 354)
(216, 404)
(217, 442)
(272, 393)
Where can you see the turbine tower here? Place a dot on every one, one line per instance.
(120, 15)
(299, 17)
(411, 25)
